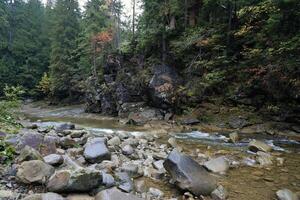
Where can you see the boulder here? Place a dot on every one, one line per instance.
(156, 192)
(64, 126)
(54, 159)
(217, 165)
(189, 175)
(44, 196)
(30, 138)
(233, 137)
(190, 121)
(77, 133)
(256, 145)
(115, 141)
(67, 142)
(34, 171)
(130, 168)
(108, 180)
(115, 194)
(286, 194)
(28, 153)
(79, 197)
(96, 150)
(80, 180)
(264, 159)
(127, 150)
(125, 182)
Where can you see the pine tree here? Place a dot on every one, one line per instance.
(63, 64)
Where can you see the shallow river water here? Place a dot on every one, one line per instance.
(244, 182)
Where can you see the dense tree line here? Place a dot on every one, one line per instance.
(238, 49)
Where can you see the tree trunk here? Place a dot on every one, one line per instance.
(173, 23)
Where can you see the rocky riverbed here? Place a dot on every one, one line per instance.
(96, 158)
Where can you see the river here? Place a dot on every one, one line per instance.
(243, 182)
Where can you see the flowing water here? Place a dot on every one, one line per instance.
(242, 182)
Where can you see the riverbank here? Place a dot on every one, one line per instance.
(246, 174)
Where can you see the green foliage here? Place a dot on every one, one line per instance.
(11, 102)
(44, 85)
(7, 153)
(13, 93)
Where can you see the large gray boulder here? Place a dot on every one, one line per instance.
(30, 138)
(34, 171)
(96, 150)
(189, 175)
(115, 194)
(36, 140)
(80, 180)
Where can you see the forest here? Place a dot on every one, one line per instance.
(186, 71)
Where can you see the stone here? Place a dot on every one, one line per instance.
(67, 142)
(286, 194)
(30, 138)
(79, 197)
(96, 150)
(173, 143)
(234, 137)
(44, 196)
(220, 193)
(190, 121)
(127, 150)
(34, 171)
(65, 126)
(217, 165)
(53, 159)
(156, 192)
(189, 175)
(131, 169)
(140, 186)
(28, 153)
(75, 152)
(7, 195)
(108, 180)
(125, 182)
(115, 141)
(256, 145)
(264, 159)
(49, 145)
(115, 194)
(80, 180)
(77, 133)
(159, 165)
(2, 135)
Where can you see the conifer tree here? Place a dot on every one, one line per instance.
(63, 64)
